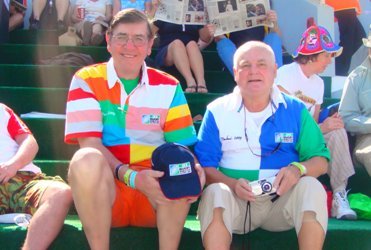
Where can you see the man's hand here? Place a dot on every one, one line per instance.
(286, 178)
(7, 171)
(146, 181)
(272, 16)
(243, 190)
(201, 175)
(332, 123)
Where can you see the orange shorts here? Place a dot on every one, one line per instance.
(131, 208)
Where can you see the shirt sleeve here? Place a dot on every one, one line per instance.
(311, 142)
(179, 124)
(15, 125)
(83, 112)
(208, 148)
(350, 110)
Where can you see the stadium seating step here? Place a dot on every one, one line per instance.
(340, 235)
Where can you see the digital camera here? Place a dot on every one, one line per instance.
(263, 187)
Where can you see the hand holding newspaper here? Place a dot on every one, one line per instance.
(226, 15)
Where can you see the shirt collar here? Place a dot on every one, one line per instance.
(276, 97)
(112, 76)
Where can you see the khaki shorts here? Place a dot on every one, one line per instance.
(284, 213)
(22, 193)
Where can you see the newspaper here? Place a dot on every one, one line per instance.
(182, 11)
(226, 15)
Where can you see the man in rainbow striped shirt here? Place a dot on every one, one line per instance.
(119, 112)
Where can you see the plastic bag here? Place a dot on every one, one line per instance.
(361, 204)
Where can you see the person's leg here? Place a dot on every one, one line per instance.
(310, 226)
(339, 171)
(49, 216)
(340, 166)
(217, 235)
(15, 20)
(37, 8)
(197, 65)
(170, 223)
(303, 207)
(218, 210)
(274, 41)
(226, 50)
(177, 55)
(351, 33)
(62, 8)
(362, 151)
(93, 191)
(4, 23)
(97, 34)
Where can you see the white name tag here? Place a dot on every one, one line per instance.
(180, 169)
(151, 119)
(284, 137)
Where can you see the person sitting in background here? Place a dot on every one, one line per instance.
(254, 133)
(24, 189)
(300, 79)
(227, 47)
(119, 112)
(355, 107)
(178, 46)
(92, 21)
(350, 30)
(40, 6)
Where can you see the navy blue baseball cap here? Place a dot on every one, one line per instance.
(180, 177)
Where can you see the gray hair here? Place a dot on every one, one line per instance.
(249, 45)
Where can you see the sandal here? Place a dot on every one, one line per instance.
(191, 89)
(202, 89)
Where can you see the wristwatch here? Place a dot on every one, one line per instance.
(301, 167)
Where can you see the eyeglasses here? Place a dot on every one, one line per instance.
(247, 138)
(137, 40)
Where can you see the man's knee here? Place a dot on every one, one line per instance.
(58, 193)
(86, 163)
(311, 184)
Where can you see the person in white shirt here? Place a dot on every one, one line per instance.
(300, 79)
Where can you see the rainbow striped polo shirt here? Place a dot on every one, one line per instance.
(130, 126)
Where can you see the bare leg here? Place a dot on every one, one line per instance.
(62, 8)
(197, 64)
(97, 34)
(49, 217)
(170, 223)
(37, 8)
(216, 235)
(311, 235)
(93, 191)
(177, 55)
(15, 20)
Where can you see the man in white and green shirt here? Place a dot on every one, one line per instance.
(254, 133)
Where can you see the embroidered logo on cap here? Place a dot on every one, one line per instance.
(180, 169)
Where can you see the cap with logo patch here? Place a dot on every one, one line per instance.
(180, 177)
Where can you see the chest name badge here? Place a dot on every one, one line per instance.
(151, 119)
(284, 138)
